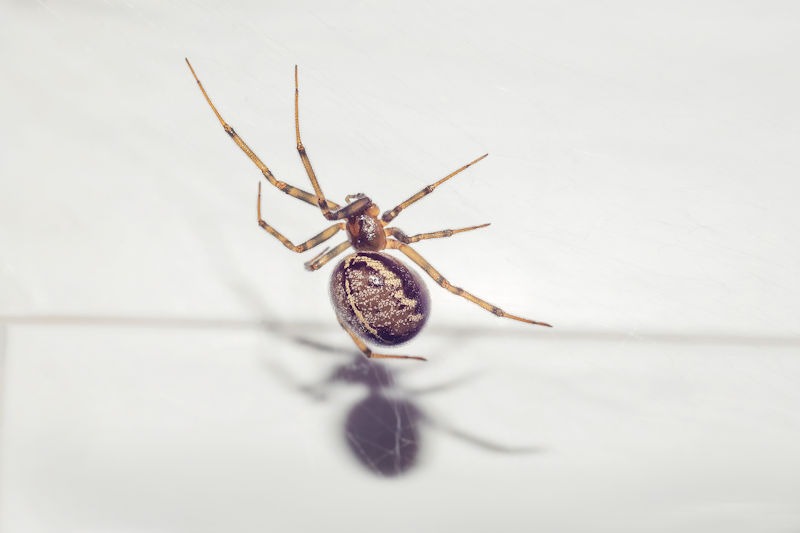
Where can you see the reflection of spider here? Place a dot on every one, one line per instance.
(383, 429)
(375, 296)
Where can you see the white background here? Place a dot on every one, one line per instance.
(163, 358)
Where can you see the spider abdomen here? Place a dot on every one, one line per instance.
(379, 298)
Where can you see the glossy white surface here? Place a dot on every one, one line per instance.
(163, 358)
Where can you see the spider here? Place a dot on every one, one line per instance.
(375, 296)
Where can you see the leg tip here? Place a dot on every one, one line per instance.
(529, 321)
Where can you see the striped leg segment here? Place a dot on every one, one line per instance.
(398, 234)
(321, 201)
(438, 278)
(390, 214)
(326, 255)
(302, 247)
(285, 187)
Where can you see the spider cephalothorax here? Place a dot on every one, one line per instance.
(365, 230)
(375, 296)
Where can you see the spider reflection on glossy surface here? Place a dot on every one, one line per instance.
(375, 296)
(389, 425)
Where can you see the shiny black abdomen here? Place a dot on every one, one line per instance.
(379, 298)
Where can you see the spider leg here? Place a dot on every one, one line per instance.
(326, 255)
(285, 187)
(324, 205)
(438, 278)
(390, 214)
(398, 234)
(369, 354)
(302, 247)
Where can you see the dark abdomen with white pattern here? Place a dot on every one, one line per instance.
(379, 298)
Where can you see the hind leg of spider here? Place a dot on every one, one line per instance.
(390, 214)
(398, 234)
(438, 278)
(302, 247)
(369, 354)
(325, 256)
(285, 187)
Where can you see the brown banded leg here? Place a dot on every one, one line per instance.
(326, 255)
(321, 201)
(438, 278)
(302, 247)
(285, 187)
(390, 214)
(398, 234)
(369, 353)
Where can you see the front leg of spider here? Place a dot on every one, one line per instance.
(285, 187)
